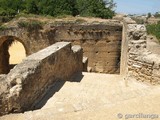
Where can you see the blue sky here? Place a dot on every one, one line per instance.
(137, 6)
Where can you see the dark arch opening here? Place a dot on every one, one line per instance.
(6, 52)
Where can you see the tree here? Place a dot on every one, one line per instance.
(32, 6)
(149, 15)
(11, 8)
(57, 7)
(96, 8)
(157, 14)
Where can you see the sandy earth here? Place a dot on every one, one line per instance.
(107, 98)
(17, 53)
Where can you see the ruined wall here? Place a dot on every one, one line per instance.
(4, 59)
(101, 42)
(29, 80)
(125, 46)
(3, 94)
(142, 64)
(5, 43)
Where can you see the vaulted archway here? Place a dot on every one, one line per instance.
(7, 54)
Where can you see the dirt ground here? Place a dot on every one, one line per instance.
(17, 53)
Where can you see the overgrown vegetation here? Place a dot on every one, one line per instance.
(94, 8)
(157, 15)
(80, 21)
(30, 25)
(154, 29)
(138, 20)
(2, 27)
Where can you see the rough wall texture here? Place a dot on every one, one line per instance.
(28, 81)
(101, 42)
(125, 46)
(3, 94)
(4, 59)
(142, 64)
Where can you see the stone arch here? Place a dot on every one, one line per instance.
(5, 42)
(4, 38)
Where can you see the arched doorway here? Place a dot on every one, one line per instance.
(12, 51)
(17, 53)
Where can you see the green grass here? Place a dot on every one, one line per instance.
(80, 21)
(41, 16)
(30, 25)
(154, 29)
(2, 27)
(138, 21)
(26, 15)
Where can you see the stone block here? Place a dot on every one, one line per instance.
(29, 80)
(156, 73)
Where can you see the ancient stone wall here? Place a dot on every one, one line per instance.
(27, 83)
(101, 42)
(4, 59)
(142, 64)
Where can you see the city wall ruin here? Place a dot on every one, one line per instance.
(29, 81)
(101, 42)
(141, 63)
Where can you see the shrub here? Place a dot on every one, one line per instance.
(154, 29)
(80, 21)
(23, 24)
(2, 27)
(138, 20)
(32, 25)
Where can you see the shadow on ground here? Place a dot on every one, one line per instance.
(55, 88)
(77, 77)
